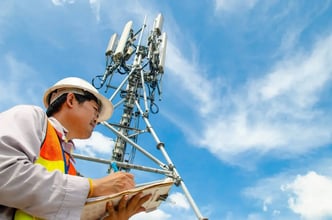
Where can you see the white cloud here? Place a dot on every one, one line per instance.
(299, 79)
(311, 196)
(276, 112)
(96, 7)
(178, 200)
(190, 77)
(176, 206)
(235, 5)
(255, 216)
(288, 195)
(62, 2)
(97, 143)
(157, 214)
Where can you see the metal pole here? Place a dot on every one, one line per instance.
(176, 175)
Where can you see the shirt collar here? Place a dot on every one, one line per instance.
(59, 128)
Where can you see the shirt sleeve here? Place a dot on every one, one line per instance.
(28, 186)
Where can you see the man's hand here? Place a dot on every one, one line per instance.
(126, 208)
(113, 183)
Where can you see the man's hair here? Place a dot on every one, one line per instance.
(56, 105)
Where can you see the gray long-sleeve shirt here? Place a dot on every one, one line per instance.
(28, 186)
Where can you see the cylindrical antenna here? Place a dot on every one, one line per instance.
(158, 24)
(111, 45)
(162, 52)
(123, 41)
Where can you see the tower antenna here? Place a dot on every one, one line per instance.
(134, 72)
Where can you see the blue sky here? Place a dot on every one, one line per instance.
(245, 110)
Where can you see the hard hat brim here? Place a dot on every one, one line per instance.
(106, 106)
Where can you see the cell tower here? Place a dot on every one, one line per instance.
(137, 69)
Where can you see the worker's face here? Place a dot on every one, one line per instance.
(85, 118)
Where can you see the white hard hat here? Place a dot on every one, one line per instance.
(77, 85)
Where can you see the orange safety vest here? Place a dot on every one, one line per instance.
(52, 157)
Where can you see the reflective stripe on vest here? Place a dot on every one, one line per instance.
(51, 156)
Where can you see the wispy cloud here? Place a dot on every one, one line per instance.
(189, 77)
(233, 6)
(62, 2)
(268, 196)
(96, 6)
(278, 111)
(7, 8)
(19, 83)
(275, 112)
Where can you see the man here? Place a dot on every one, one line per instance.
(37, 174)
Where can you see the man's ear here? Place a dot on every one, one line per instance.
(70, 100)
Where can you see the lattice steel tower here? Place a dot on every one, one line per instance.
(134, 72)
